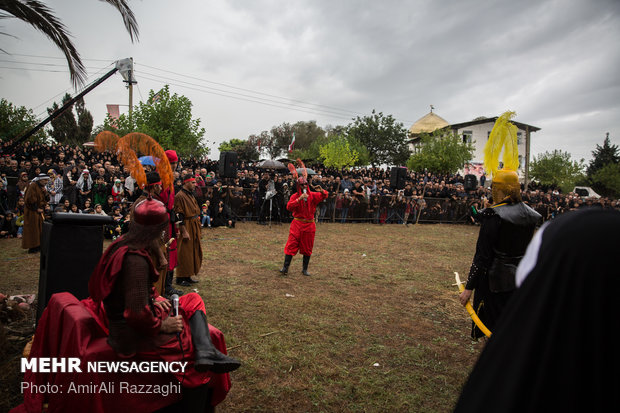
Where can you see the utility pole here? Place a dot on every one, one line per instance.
(130, 82)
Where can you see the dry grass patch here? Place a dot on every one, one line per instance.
(377, 295)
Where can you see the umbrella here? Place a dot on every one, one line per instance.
(271, 164)
(310, 171)
(146, 160)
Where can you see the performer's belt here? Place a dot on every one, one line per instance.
(307, 221)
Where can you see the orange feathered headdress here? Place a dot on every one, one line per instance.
(127, 148)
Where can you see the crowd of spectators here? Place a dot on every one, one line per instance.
(85, 181)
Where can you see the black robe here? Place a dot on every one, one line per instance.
(505, 231)
(555, 347)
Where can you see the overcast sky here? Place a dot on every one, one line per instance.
(556, 63)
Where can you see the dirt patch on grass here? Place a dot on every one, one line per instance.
(376, 327)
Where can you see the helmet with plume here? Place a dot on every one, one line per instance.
(505, 180)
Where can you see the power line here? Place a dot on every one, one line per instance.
(69, 88)
(250, 98)
(56, 57)
(250, 90)
(314, 112)
(347, 111)
(314, 109)
(34, 70)
(41, 64)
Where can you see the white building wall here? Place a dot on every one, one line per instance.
(479, 136)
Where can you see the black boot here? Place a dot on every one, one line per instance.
(207, 357)
(168, 288)
(287, 263)
(304, 271)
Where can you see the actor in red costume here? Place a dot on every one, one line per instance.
(167, 197)
(140, 324)
(126, 320)
(301, 234)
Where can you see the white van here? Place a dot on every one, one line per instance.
(585, 192)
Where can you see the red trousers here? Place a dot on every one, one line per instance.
(300, 238)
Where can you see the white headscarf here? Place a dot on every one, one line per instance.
(81, 180)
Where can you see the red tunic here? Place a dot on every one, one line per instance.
(70, 328)
(301, 233)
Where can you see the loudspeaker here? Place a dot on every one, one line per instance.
(71, 245)
(471, 182)
(228, 165)
(398, 176)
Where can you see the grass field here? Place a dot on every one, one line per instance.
(376, 328)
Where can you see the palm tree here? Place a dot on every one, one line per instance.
(40, 16)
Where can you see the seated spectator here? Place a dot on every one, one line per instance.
(8, 228)
(205, 214)
(99, 210)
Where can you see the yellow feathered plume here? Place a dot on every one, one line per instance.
(503, 136)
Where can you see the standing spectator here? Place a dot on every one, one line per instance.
(34, 202)
(22, 183)
(12, 176)
(100, 191)
(70, 177)
(345, 204)
(84, 185)
(54, 188)
(4, 197)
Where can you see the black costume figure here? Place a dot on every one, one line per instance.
(554, 348)
(505, 231)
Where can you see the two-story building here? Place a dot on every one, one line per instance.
(476, 132)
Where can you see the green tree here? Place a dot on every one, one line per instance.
(602, 173)
(308, 137)
(37, 14)
(84, 121)
(167, 119)
(556, 168)
(606, 181)
(441, 152)
(385, 139)
(603, 155)
(267, 143)
(246, 149)
(16, 120)
(64, 126)
(278, 140)
(337, 153)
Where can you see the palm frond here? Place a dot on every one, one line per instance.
(131, 24)
(38, 15)
(41, 17)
